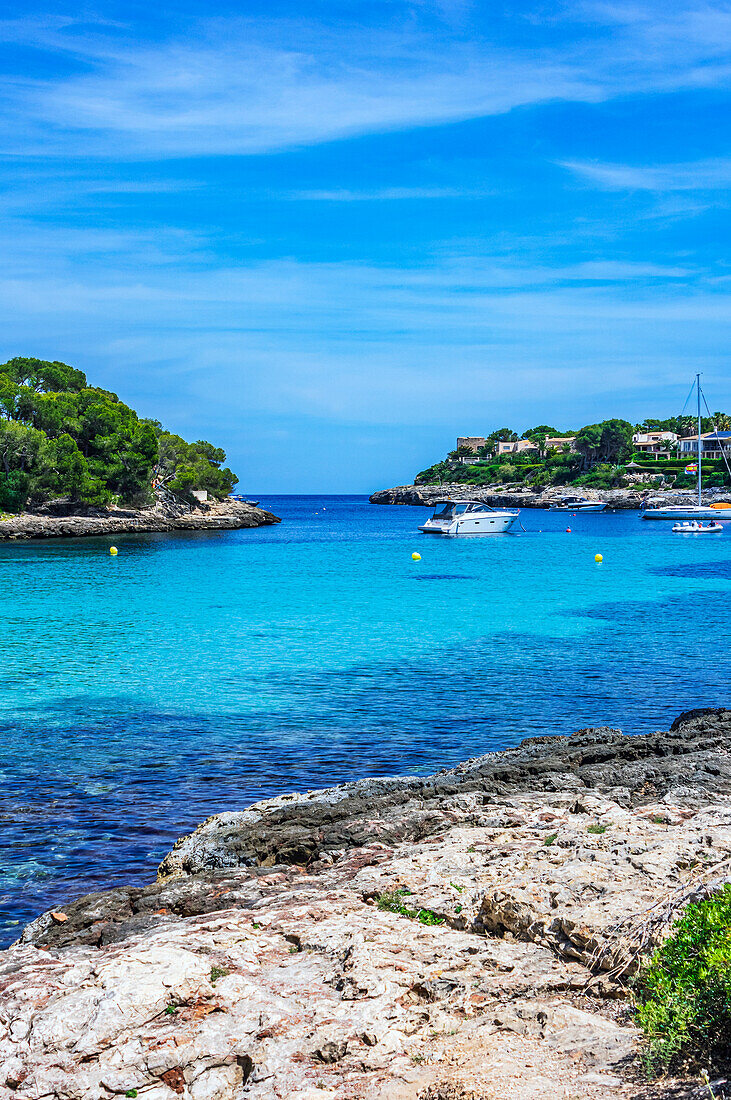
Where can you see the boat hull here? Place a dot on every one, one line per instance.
(598, 507)
(680, 513)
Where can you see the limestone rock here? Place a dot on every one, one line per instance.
(442, 938)
(226, 515)
(522, 496)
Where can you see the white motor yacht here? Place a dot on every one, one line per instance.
(578, 504)
(468, 517)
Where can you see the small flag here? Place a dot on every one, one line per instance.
(691, 468)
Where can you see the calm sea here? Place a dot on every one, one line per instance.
(199, 672)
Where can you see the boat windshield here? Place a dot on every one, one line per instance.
(445, 509)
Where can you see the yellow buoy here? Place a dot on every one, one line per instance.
(113, 551)
(415, 556)
(598, 557)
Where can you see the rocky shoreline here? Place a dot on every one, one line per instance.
(60, 521)
(426, 496)
(462, 936)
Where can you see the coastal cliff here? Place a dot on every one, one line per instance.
(68, 521)
(427, 495)
(462, 936)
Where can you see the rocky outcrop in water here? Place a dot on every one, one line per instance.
(522, 497)
(74, 522)
(461, 936)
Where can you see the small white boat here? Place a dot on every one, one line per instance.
(578, 504)
(468, 517)
(695, 527)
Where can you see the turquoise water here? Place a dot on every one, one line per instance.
(199, 672)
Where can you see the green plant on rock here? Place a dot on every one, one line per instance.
(597, 829)
(684, 992)
(392, 902)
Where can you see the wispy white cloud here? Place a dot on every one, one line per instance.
(703, 175)
(239, 350)
(241, 86)
(386, 194)
(374, 344)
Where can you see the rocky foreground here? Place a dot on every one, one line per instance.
(466, 936)
(524, 497)
(61, 521)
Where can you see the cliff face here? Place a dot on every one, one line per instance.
(226, 515)
(461, 936)
(502, 496)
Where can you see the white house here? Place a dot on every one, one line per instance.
(520, 445)
(713, 444)
(655, 444)
(559, 442)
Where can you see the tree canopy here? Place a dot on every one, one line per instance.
(502, 435)
(608, 441)
(541, 432)
(60, 437)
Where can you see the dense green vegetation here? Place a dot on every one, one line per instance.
(599, 458)
(684, 992)
(60, 437)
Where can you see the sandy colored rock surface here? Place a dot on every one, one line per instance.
(515, 880)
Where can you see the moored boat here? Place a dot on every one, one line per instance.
(578, 504)
(695, 527)
(468, 517)
(659, 510)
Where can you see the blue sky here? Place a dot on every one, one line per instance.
(332, 237)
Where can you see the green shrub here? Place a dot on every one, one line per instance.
(13, 491)
(684, 992)
(392, 902)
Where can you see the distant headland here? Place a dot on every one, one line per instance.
(75, 460)
(621, 461)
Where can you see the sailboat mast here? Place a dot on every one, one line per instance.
(698, 387)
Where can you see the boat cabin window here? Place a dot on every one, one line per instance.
(445, 509)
